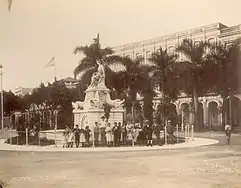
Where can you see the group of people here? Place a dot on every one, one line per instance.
(76, 135)
(106, 134)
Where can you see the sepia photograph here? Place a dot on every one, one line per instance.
(120, 93)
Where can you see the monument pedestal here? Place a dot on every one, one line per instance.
(97, 97)
(85, 118)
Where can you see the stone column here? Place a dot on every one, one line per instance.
(205, 114)
(220, 116)
(191, 114)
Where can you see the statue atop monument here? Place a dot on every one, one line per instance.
(98, 78)
(97, 94)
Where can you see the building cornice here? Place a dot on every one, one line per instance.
(173, 36)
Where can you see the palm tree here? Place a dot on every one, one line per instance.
(165, 76)
(92, 53)
(193, 71)
(134, 78)
(164, 73)
(227, 75)
(226, 59)
(148, 93)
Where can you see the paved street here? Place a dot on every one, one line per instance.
(210, 166)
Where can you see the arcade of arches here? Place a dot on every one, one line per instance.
(213, 111)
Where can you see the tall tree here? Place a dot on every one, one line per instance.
(193, 71)
(226, 62)
(93, 53)
(148, 93)
(133, 80)
(226, 75)
(11, 103)
(164, 73)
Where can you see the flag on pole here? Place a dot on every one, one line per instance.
(51, 63)
(9, 5)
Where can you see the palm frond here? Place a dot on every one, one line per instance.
(107, 51)
(83, 49)
(83, 66)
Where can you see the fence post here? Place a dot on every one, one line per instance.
(93, 137)
(188, 131)
(4, 135)
(177, 133)
(192, 132)
(165, 135)
(10, 135)
(39, 143)
(26, 136)
(55, 137)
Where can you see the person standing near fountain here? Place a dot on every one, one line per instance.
(102, 130)
(96, 133)
(123, 133)
(148, 129)
(82, 137)
(77, 135)
(87, 136)
(108, 131)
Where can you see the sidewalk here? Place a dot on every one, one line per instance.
(196, 142)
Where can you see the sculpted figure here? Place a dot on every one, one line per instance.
(114, 103)
(78, 105)
(98, 78)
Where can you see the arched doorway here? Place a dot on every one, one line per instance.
(235, 111)
(185, 113)
(213, 115)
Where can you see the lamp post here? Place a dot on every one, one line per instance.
(1, 73)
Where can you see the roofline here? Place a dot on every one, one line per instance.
(209, 27)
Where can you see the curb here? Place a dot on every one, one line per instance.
(197, 142)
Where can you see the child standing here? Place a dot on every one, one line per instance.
(71, 139)
(87, 136)
(82, 137)
(66, 136)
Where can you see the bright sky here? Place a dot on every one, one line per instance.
(36, 30)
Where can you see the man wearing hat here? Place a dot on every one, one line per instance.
(170, 131)
(148, 130)
(102, 126)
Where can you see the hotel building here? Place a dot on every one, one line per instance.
(211, 105)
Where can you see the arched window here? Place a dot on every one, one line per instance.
(138, 55)
(211, 40)
(196, 43)
(148, 54)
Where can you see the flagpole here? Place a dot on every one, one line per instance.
(55, 78)
(1, 73)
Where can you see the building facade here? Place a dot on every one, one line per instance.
(211, 106)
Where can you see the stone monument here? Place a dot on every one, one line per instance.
(97, 96)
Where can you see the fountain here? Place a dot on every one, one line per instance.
(97, 96)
